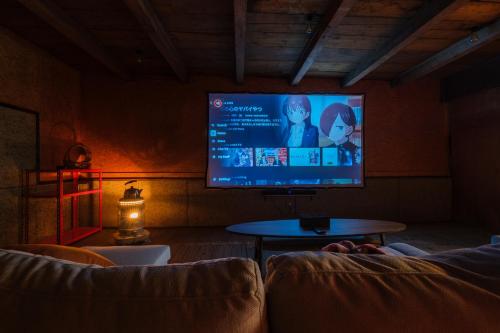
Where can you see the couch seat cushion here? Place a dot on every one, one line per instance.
(41, 294)
(328, 292)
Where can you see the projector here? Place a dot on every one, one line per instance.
(315, 222)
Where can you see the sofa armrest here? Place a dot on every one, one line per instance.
(139, 255)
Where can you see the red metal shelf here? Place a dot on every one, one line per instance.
(76, 232)
(81, 193)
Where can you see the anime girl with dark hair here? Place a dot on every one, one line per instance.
(338, 122)
(299, 132)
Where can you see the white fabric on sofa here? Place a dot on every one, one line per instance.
(138, 255)
(403, 249)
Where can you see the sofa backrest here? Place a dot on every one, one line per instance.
(327, 292)
(43, 294)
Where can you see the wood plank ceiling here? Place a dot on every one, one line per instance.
(198, 36)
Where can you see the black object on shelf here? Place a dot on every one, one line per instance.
(315, 223)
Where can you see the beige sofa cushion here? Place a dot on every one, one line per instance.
(325, 292)
(41, 294)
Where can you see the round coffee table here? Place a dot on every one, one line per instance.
(291, 229)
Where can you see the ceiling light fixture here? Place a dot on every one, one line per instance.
(473, 37)
(309, 29)
(138, 54)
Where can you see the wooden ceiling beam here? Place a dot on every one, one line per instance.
(337, 10)
(49, 12)
(151, 23)
(431, 13)
(240, 23)
(459, 49)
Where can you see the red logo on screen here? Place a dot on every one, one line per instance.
(217, 103)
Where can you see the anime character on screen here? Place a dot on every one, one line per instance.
(298, 131)
(242, 158)
(338, 122)
(271, 157)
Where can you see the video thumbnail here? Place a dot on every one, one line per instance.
(330, 157)
(265, 157)
(304, 157)
(341, 156)
(238, 157)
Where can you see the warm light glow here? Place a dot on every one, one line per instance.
(131, 203)
(134, 215)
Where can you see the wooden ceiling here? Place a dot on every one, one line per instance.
(285, 38)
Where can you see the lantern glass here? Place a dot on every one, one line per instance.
(131, 217)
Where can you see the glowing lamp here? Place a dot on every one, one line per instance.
(131, 217)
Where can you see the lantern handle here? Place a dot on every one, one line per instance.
(130, 182)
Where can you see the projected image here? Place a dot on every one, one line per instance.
(286, 140)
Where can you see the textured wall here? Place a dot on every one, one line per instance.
(475, 162)
(186, 202)
(32, 79)
(18, 138)
(160, 125)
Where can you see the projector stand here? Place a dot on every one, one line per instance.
(288, 192)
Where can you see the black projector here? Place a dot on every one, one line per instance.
(315, 222)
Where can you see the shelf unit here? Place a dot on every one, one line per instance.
(58, 179)
(76, 232)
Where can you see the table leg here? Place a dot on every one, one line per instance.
(382, 239)
(258, 250)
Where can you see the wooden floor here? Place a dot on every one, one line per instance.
(202, 243)
(189, 244)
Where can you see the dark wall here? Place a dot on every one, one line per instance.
(160, 125)
(32, 79)
(157, 128)
(186, 202)
(475, 161)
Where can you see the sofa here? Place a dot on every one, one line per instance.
(454, 291)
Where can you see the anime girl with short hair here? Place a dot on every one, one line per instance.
(338, 122)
